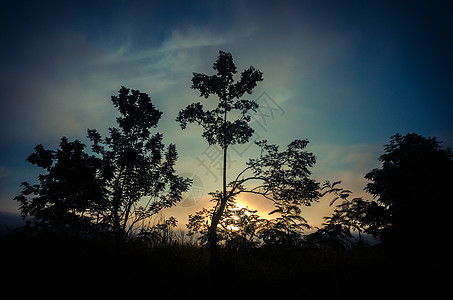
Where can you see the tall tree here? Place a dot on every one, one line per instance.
(280, 176)
(136, 166)
(411, 192)
(69, 196)
(217, 128)
(130, 178)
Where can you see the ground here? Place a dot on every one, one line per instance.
(51, 265)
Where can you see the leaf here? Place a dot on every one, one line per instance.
(333, 201)
(278, 210)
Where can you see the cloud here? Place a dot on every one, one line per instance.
(59, 82)
(50, 88)
(193, 38)
(168, 69)
(345, 163)
(348, 163)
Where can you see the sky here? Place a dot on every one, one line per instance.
(346, 75)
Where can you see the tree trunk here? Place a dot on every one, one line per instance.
(212, 235)
(215, 221)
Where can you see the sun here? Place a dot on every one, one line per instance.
(232, 228)
(235, 219)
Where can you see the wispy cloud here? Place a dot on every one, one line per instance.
(335, 82)
(193, 38)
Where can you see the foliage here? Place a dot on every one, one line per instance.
(348, 216)
(70, 196)
(106, 189)
(129, 177)
(135, 164)
(280, 176)
(217, 127)
(285, 230)
(239, 227)
(283, 176)
(414, 175)
(156, 235)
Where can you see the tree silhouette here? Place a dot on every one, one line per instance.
(411, 183)
(238, 227)
(160, 234)
(282, 177)
(349, 215)
(135, 164)
(107, 189)
(411, 192)
(244, 224)
(217, 128)
(285, 230)
(70, 196)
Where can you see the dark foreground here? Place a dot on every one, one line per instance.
(50, 266)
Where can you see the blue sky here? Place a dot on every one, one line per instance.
(346, 75)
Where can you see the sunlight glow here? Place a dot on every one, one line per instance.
(232, 228)
(239, 206)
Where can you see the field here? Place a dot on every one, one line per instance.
(49, 265)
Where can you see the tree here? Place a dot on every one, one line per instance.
(282, 177)
(238, 227)
(411, 192)
(135, 166)
(70, 196)
(350, 215)
(160, 234)
(217, 128)
(285, 230)
(244, 225)
(108, 188)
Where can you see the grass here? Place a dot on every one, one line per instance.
(58, 264)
